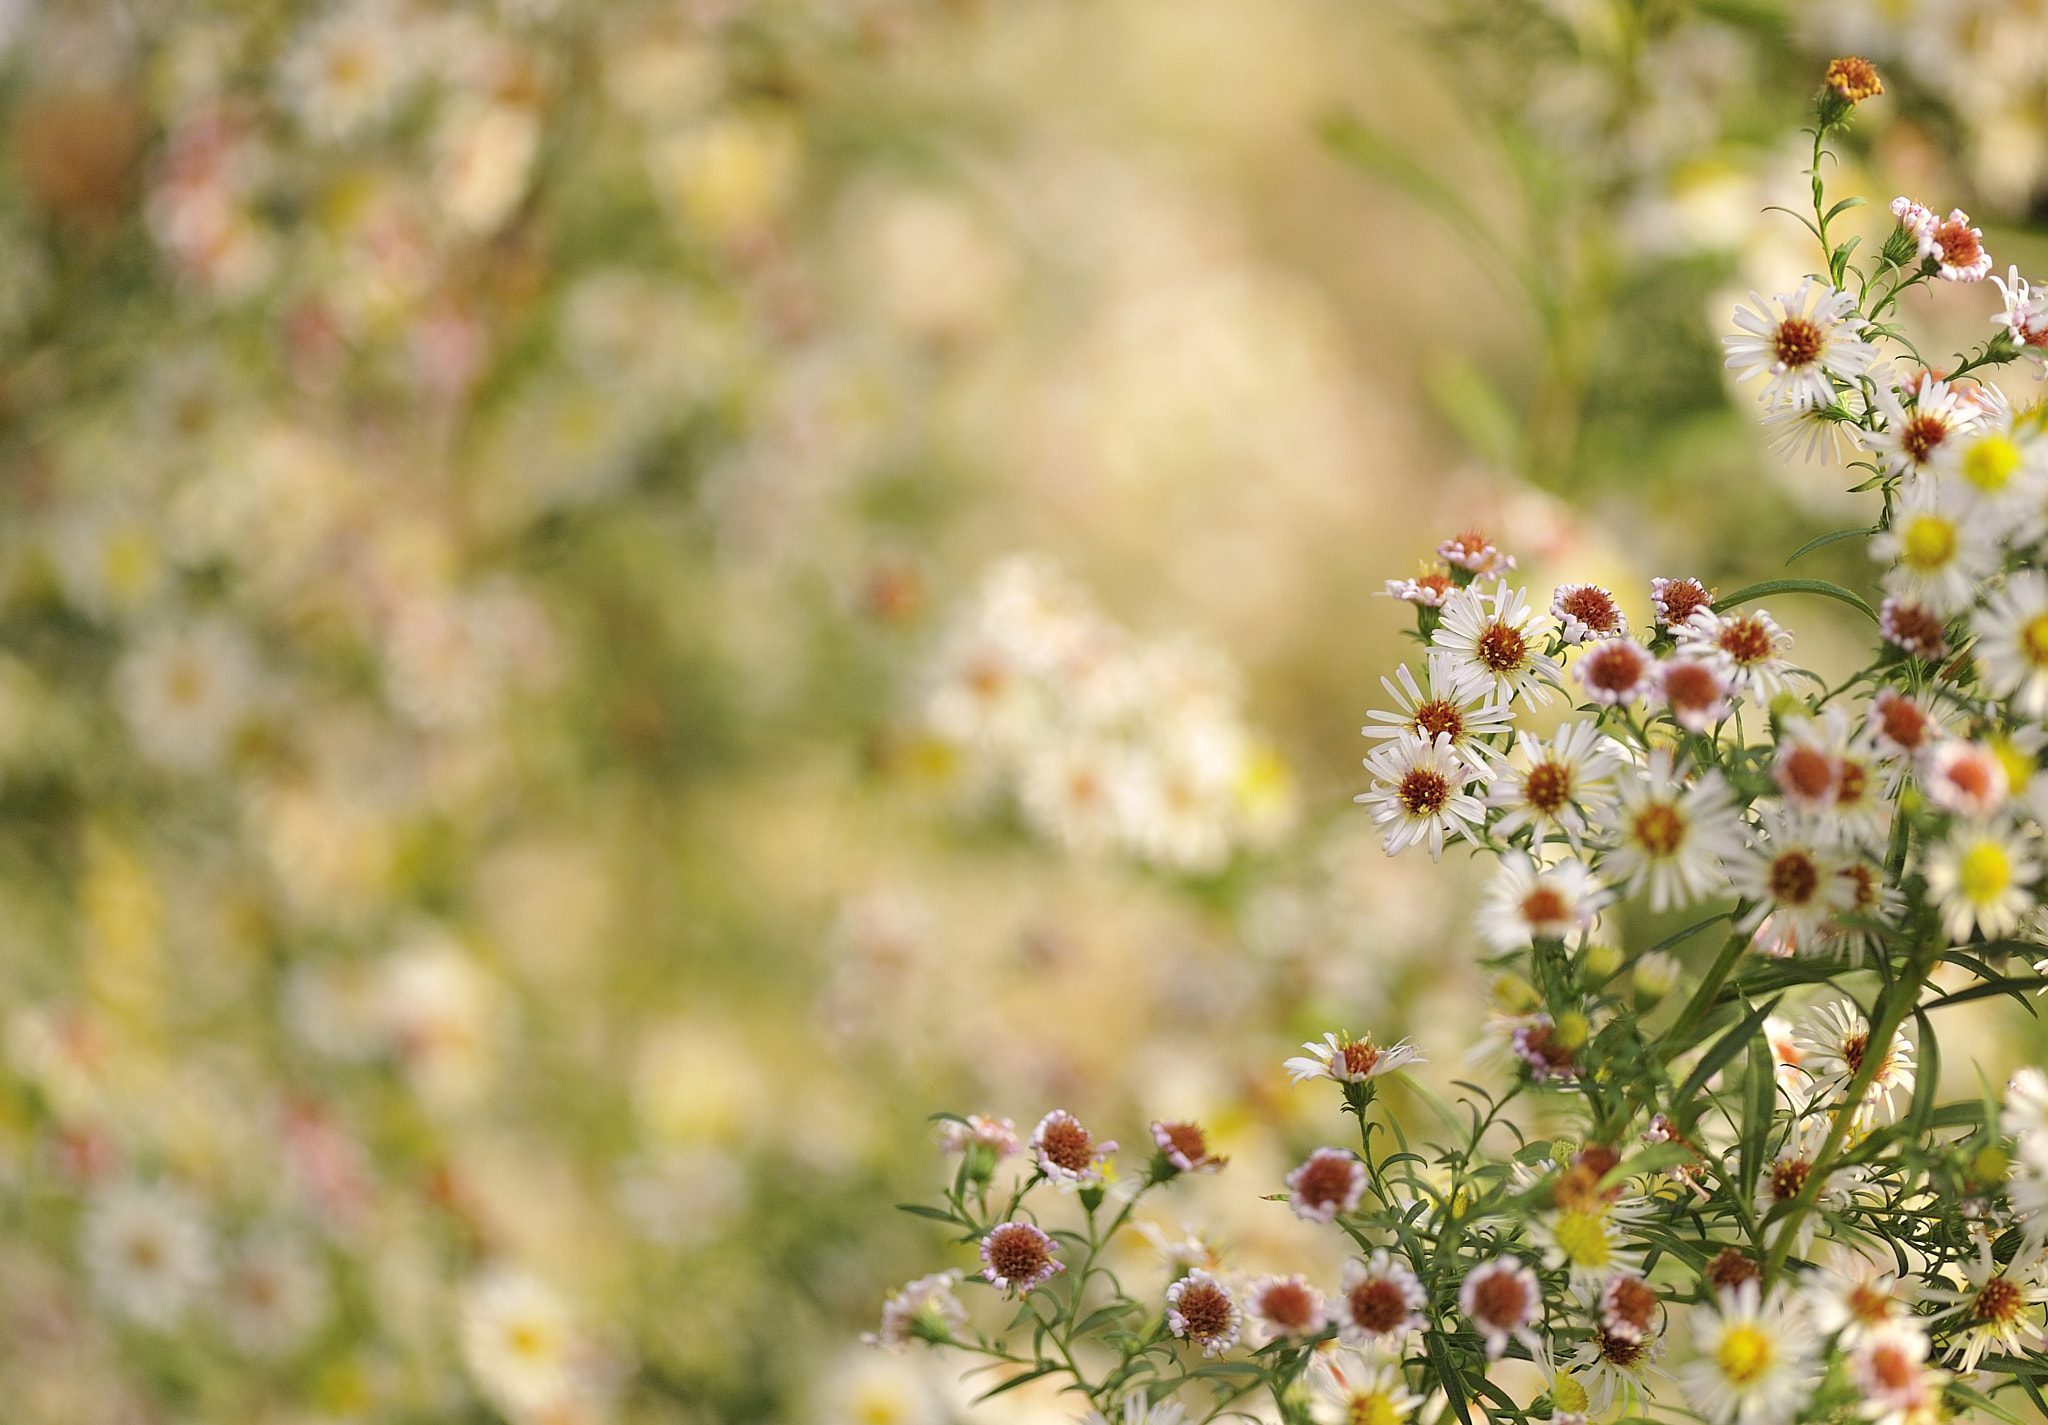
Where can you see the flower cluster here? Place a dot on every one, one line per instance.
(1104, 740)
(1766, 1219)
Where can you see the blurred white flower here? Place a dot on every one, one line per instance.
(185, 690)
(148, 1251)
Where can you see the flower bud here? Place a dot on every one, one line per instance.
(1600, 961)
(1656, 975)
(1514, 995)
(1572, 1030)
(1990, 1165)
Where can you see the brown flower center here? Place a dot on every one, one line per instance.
(1867, 1303)
(1325, 1181)
(1797, 342)
(1631, 1301)
(1807, 772)
(1440, 716)
(1289, 1305)
(1501, 649)
(1187, 1139)
(1747, 641)
(1917, 630)
(1852, 780)
(1614, 667)
(1690, 687)
(1971, 776)
(1548, 788)
(1204, 1311)
(1018, 1252)
(1501, 1301)
(1892, 1366)
(1788, 1176)
(1794, 878)
(1959, 245)
(1998, 1300)
(1902, 721)
(1730, 1269)
(1592, 607)
(1920, 435)
(1377, 1305)
(1854, 79)
(1066, 1144)
(1659, 829)
(1683, 598)
(1544, 907)
(1619, 1351)
(1423, 792)
(1359, 1057)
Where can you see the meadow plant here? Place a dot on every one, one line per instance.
(1793, 1202)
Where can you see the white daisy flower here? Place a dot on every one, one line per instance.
(1966, 778)
(1328, 1182)
(185, 691)
(1283, 1306)
(1616, 1368)
(148, 1252)
(1586, 613)
(1350, 1389)
(1498, 641)
(2012, 643)
(1018, 1257)
(1834, 1041)
(1785, 1177)
(1851, 1296)
(1066, 1152)
(1694, 691)
(923, 1310)
(1903, 726)
(1803, 343)
(2025, 316)
(1473, 552)
(1464, 713)
(2026, 1104)
(1419, 794)
(1994, 1306)
(1677, 600)
(1918, 629)
(1203, 1312)
(1919, 436)
(1560, 784)
(348, 69)
(1889, 1366)
(1432, 588)
(1075, 792)
(1585, 1240)
(1350, 1061)
(1672, 838)
(1527, 902)
(1502, 1299)
(521, 1344)
(1815, 434)
(1380, 1303)
(1616, 672)
(1756, 1359)
(1140, 1409)
(1789, 877)
(1824, 769)
(1936, 551)
(1980, 875)
(1956, 247)
(1996, 479)
(1747, 649)
(273, 1294)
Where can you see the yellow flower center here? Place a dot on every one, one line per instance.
(1985, 871)
(1582, 1237)
(1372, 1408)
(1744, 1355)
(1566, 1394)
(1990, 463)
(2034, 640)
(2019, 767)
(1930, 542)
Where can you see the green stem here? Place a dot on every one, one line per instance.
(1676, 1038)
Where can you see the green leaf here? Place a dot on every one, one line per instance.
(1726, 1048)
(1977, 1400)
(1798, 586)
(1921, 1117)
(936, 1214)
(1835, 537)
(1446, 1376)
(1957, 1115)
(1853, 201)
(2020, 989)
(1014, 1381)
(1759, 1099)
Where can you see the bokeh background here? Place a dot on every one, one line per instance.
(602, 606)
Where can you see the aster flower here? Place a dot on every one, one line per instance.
(1824, 769)
(1559, 785)
(1851, 1297)
(1185, 1145)
(1537, 1043)
(1677, 600)
(1502, 1300)
(1695, 691)
(1066, 1152)
(1140, 1409)
(1789, 877)
(520, 1342)
(1804, 343)
(1473, 552)
(1923, 431)
(1431, 588)
(1671, 838)
(1283, 1306)
(1017, 1257)
(1451, 708)
(1825, 435)
(1351, 1389)
(1785, 1177)
(1616, 1368)
(1936, 551)
(1616, 672)
(1328, 1182)
(2025, 1114)
(1956, 247)
(1756, 1359)
(1351, 1061)
(2012, 643)
(1853, 79)
(1587, 613)
(1980, 875)
(924, 1310)
(1202, 1311)
(995, 1136)
(1585, 1240)
(1966, 778)
(273, 1294)
(1889, 1367)
(1902, 725)
(1419, 793)
(1917, 629)
(1380, 1303)
(1627, 1306)
(148, 1252)
(1526, 902)
(1497, 640)
(1994, 1306)
(2025, 316)
(1747, 649)
(1834, 1041)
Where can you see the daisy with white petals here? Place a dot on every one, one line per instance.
(1498, 640)
(148, 1252)
(1791, 878)
(1451, 707)
(1755, 1363)
(1350, 1061)
(1980, 876)
(1937, 552)
(2025, 317)
(1380, 1303)
(1559, 784)
(2012, 643)
(1502, 1300)
(1528, 902)
(1746, 648)
(1921, 432)
(1419, 794)
(1802, 342)
(1834, 1042)
(1672, 839)
(1995, 1305)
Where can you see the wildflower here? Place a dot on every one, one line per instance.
(1497, 642)
(1066, 1152)
(1853, 79)
(1615, 1368)
(1677, 600)
(1695, 692)
(1671, 838)
(1912, 216)
(1283, 1306)
(1852, 1300)
(1834, 1041)
(2025, 316)
(1419, 793)
(1451, 708)
(273, 1294)
(1140, 1409)
(1615, 672)
(1501, 1298)
(1729, 1269)
(1017, 1257)
(1916, 628)
(1201, 1311)
(1783, 1179)
(1804, 345)
(995, 1136)
(1937, 553)
(1587, 613)
(1561, 782)
(1994, 477)
(347, 71)
(1902, 725)
(1351, 1061)
(1966, 778)
(1628, 1306)
(1329, 1181)
(1431, 588)
(1585, 1240)
(1539, 1043)
(1380, 1302)
(1956, 247)
(1473, 552)
(1656, 974)
(2012, 643)
(184, 692)
(1826, 434)
(1995, 1306)
(1355, 1391)
(1756, 1359)
(1075, 791)
(1889, 1366)
(1747, 649)
(148, 1252)
(519, 1343)
(1823, 771)
(1526, 902)
(1185, 1146)
(1917, 436)
(1790, 879)
(924, 1310)
(1980, 875)
(2026, 1105)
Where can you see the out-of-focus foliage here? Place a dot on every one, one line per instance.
(492, 494)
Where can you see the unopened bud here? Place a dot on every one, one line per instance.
(1514, 995)
(1853, 79)
(1990, 1165)
(1572, 1030)
(1600, 961)
(1656, 975)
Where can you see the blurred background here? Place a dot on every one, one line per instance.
(602, 606)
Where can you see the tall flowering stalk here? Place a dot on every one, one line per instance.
(1836, 1242)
